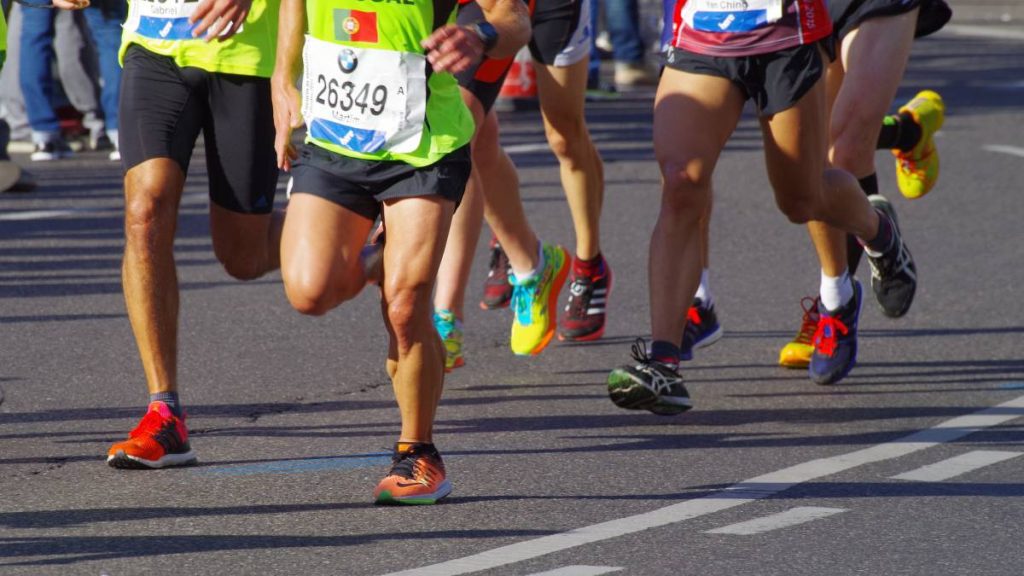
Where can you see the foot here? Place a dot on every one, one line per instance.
(893, 273)
(918, 169)
(450, 329)
(160, 440)
(648, 385)
(535, 303)
(702, 329)
(52, 150)
(416, 477)
(585, 311)
(835, 341)
(797, 353)
(497, 289)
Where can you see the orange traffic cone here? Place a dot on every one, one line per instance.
(519, 92)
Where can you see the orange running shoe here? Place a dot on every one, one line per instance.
(797, 354)
(160, 440)
(416, 477)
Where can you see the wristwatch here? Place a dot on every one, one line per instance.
(487, 33)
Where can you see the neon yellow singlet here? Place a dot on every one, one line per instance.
(161, 26)
(366, 90)
(3, 38)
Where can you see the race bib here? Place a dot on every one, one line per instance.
(364, 99)
(162, 19)
(731, 15)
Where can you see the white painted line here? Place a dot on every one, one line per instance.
(527, 148)
(1011, 150)
(742, 493)
(791, 517)
(578, 571)
(42, 214)
(957, 465)
(997, 32)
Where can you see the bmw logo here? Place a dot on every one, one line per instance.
(347, 61)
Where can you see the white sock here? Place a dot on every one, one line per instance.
(527, 276)
(704, 290)
(835, 292)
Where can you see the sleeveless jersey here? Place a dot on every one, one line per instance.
(736, 28)
(162, 27)
(367, 89)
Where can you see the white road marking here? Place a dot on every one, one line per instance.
(1011, 150)
(738, 494)
(791, 517)
(527, 148)
(47, 214)
(578, 571)
(997, 32)
(957, 465)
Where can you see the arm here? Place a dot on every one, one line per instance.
(286, 97)
(454, 48)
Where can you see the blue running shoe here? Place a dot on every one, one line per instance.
(702, 329)
(835, 341)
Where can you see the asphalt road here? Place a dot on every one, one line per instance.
(910, 466)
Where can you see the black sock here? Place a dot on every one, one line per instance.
(169, 398)
(900, 132)
(854, 250)
(665, 352)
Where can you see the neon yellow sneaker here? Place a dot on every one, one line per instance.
(797, 354)
(535, 303)
(450, 329)
(917, 170)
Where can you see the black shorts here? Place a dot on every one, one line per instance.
(847, 15)
(362, 185)
(775, 81)
(561, 37)
(164, 107)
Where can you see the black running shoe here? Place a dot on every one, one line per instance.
(702, 329)
(497, 288)
(649, 385)
(893, 274)
(835, 341)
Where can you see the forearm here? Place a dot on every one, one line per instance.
(290, 39)
(511, 19)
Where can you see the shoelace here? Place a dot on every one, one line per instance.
(408, 465)
(693, 316)
(660, 382)
(809, 323)
(825, 335)
(522, 301)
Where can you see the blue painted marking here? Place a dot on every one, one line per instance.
(1013, 386)
(356, 139)
(730, 22)
(301, 466)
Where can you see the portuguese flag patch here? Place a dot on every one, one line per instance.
(355, 26)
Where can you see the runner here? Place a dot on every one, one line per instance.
(772, 52)
(191, 68)
(387, 133)
(524, 270)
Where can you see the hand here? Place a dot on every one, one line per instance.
(453, 48)
(70, 4)
(220, 19)
(287, 117)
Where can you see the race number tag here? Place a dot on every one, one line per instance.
(364, 99)
(731, 15)
(162, 19)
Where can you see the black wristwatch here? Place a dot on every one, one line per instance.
(487, 33)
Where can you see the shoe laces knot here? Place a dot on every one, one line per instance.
(825, 335)
(522, 300)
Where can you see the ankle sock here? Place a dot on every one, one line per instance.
(835, 292)
(522, 278)
(899, 132)
(170, 399)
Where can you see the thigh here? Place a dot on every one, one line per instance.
(239, 135)
(795, 146)
(562, 90)
(561, 32)
(417, 229)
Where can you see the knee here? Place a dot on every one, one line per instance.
(797, 211)
(149, 216)
(242, 266)
(686, 189)
(568, 140)
(314, 295)
(404, 303)
(853, 141)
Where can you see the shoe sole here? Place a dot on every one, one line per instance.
(387, 499)
(556, 291)
(486, 306)
(129, 462)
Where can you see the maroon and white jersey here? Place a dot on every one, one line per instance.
(734, 28)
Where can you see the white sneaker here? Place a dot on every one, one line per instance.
(52, 150)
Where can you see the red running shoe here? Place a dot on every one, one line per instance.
(497, 288)
(585, 311)
(160, 440)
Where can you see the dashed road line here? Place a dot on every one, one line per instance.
(1011, 150)
(996, 32)
(738, 494)
(791, 517)
(957, 466)
(578, 571)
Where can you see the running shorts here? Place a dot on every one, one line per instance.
(164, 107)
(363, 185)
(561, 38)
(775, 81)
(847, 15)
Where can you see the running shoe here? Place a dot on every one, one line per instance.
(585, 310)
(835, 341)
(535, 303)
(702, 329)
(918, 169)
(497, 289)
(648, 385)
(52, 150)
(894, 273)
(797, 353)
(160, 440)
(450, 329)
(416, 477)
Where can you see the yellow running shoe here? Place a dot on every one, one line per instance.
(918, 169)
(797, 354)
(535, 303)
